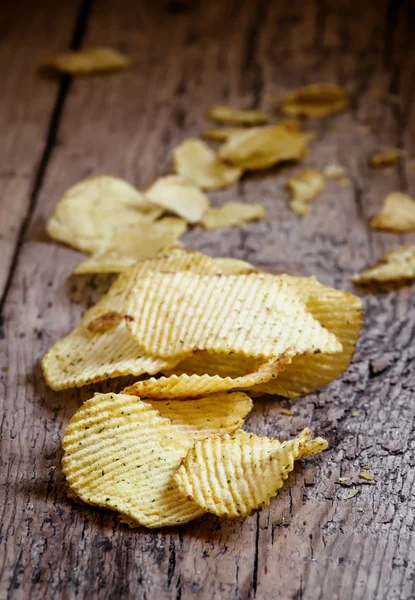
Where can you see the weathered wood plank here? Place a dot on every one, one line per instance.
(312, 542)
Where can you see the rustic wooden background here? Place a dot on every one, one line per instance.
(312, 542)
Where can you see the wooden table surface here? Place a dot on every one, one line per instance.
(312, 542)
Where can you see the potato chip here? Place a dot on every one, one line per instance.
(382, 160)
(183, 386)
(222, 364)
(86, 356)
(236, 116)
(263, 147)
(221, 135)
(231, 214)
(394, 266)
(397, 214)
(234, 475)
(234, 266)
(87, 62)
(254, 315)
(121, 453)
(91, 213)
(315, 101)
(334, 171)
(179, 196)
(141, 242)
(106, 321)
(195, 161)
(340, 313)
(305, 187)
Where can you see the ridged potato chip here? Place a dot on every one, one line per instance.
(394, 266)
(88, 61)
(263, 147)
(183, 386)
(340, 313)
(180, 196)
(132, 245)
(315, 101)
(224, 365)
(92, 212)
(121, 453)
(305, 187)
(235, 116)
(397, 214)
(256, 315)
(382, 160)
(89, 354)
(234, 266)
(231, 214)
(234, 475)
(195, 161)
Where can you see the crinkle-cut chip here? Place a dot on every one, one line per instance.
(195, 161)
(382, 160)
(315, 101)
(141, 242)
(236, 116)
(84, 357)
(234, 266)
(234, 475)
(121, 453)
(106, 321)
(85, 62)
(231, 214)
(396, 265)
(176, 314)
(305, 187)
(224, 365)
(397, 214)
(340, 313)
(180, 196)
(262, 147)
(334, 171)
(91, 213)
(183, 386)
(221, 135)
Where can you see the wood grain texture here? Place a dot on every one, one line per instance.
(312, 542)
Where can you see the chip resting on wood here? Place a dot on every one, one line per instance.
(231, 214)
(87, 61)
(236, 116)
(316, 101)
(394, 266)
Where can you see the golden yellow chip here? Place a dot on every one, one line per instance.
(305, 187)
(176, 314)
(195, 161)
(93, 211)
(121, 453)
(234, 266)
(315, 101)
(221, 135)
(224, 365)
(86, 356)
(236, 116)
(183, 386)
(262, 147)
(231, 214)
(382, 160)
(340, 313)
(396, 265)
(334, 171)
(397, 214)
(292, 124)
(132, 245)
(234, 475)
(179, 196)
(86, 62)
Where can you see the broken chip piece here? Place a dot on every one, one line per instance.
(397, 214)
(394, 266)
(180, 196)
(88, 61)
(382, 160)
(316, 101)
(305, 187)
(231, 214)
(335, 171)
(233, 475)
(235, 116)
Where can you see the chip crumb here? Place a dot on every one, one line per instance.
(228, 114)
(383, 160)
(345, 182)
(317, 101)
(286, 412)
(343, 479)
(365, 476)
(335, 171)
(367, 467)
(87, 62)
(352, 494)
(355, 413)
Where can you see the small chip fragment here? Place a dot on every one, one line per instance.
(305, 187)
(334, 171)
(122, 453)
(179, 196)
(196, 162)
(286, 412)
(343, 479)
(394, 266)
(132, 245)
(236, 116)
(316, 101)
(231, 214)
(87, 62)
(92, 212)
(262, 147)
(233, 475)
(234, 266)
(382, 160)
(353, 493)
(365, 476)
(397, 214)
